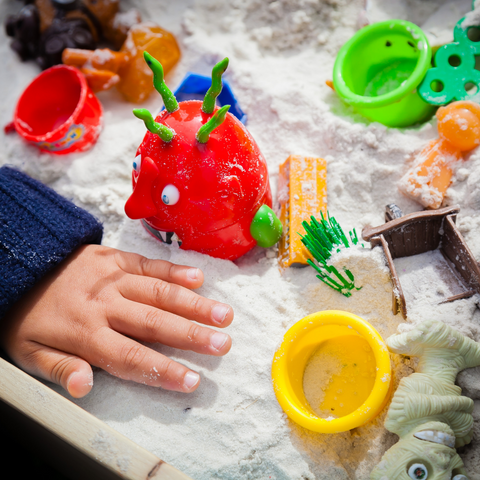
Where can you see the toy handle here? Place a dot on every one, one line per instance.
(9, 127)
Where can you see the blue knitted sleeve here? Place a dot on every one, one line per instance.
(38, 229)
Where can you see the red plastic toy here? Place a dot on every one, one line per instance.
(199, 173)
(58, 112)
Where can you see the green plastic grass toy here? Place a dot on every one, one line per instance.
(322, 238)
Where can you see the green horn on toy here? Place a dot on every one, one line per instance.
(171, 104)
(214, 91)
(164, 132)
(218, 118)
(168, 97)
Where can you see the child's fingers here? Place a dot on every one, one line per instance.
(189, 277)
(129, 360)
(71, 372)
(150, 324)
(175, 299)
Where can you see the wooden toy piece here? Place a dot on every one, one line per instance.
(302, 193)
(459, 131)
(105, 68)
(420, 232)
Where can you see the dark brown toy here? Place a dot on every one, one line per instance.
(44, 28)
(420, 232)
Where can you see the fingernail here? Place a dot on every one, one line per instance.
(190, 380)
(192, 273)
(70, 378)
(218, 340)
(219, 312)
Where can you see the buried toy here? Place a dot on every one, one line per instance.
(459, 131)
(199, 173)
(428, 412)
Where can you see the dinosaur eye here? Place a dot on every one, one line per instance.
(170, 195)
(418, 472)
(137, 163)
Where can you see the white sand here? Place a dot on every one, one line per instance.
(280, 54)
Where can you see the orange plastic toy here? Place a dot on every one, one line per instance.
(459, 131)
(302, 192)
(104, 68)
(100, 66)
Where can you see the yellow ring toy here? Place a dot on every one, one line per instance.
(364, 379)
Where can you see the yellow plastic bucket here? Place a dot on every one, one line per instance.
(356, 394)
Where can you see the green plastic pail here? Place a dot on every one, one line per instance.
(378, 70)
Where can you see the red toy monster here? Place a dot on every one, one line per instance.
(199, 174)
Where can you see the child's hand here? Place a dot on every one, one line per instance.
(88, 309)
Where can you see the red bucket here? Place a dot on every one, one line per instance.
(58, 112)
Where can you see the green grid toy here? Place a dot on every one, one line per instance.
(454, 76)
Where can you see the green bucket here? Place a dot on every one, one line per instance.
(379, 69)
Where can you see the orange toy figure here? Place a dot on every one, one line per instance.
(459, 131)
(104, 68)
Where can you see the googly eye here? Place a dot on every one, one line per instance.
(137, 163)
(418, 471)
(170, 195)
(460, 477)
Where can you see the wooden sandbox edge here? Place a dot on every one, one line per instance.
(80, 429)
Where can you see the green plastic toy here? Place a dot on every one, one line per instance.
(427, 411)
(454, 76)
(379, 69)
(266, 228)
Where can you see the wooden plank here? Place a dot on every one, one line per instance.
(399, 298)
(80, 429)
(369, 232)
(409, 238)
(457, 251)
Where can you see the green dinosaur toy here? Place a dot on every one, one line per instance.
(428, 412)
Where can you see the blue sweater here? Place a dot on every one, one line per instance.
(38, 229)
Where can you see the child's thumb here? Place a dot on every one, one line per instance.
(71, 372)
(80, 379)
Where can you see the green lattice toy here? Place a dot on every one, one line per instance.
(454, 76)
